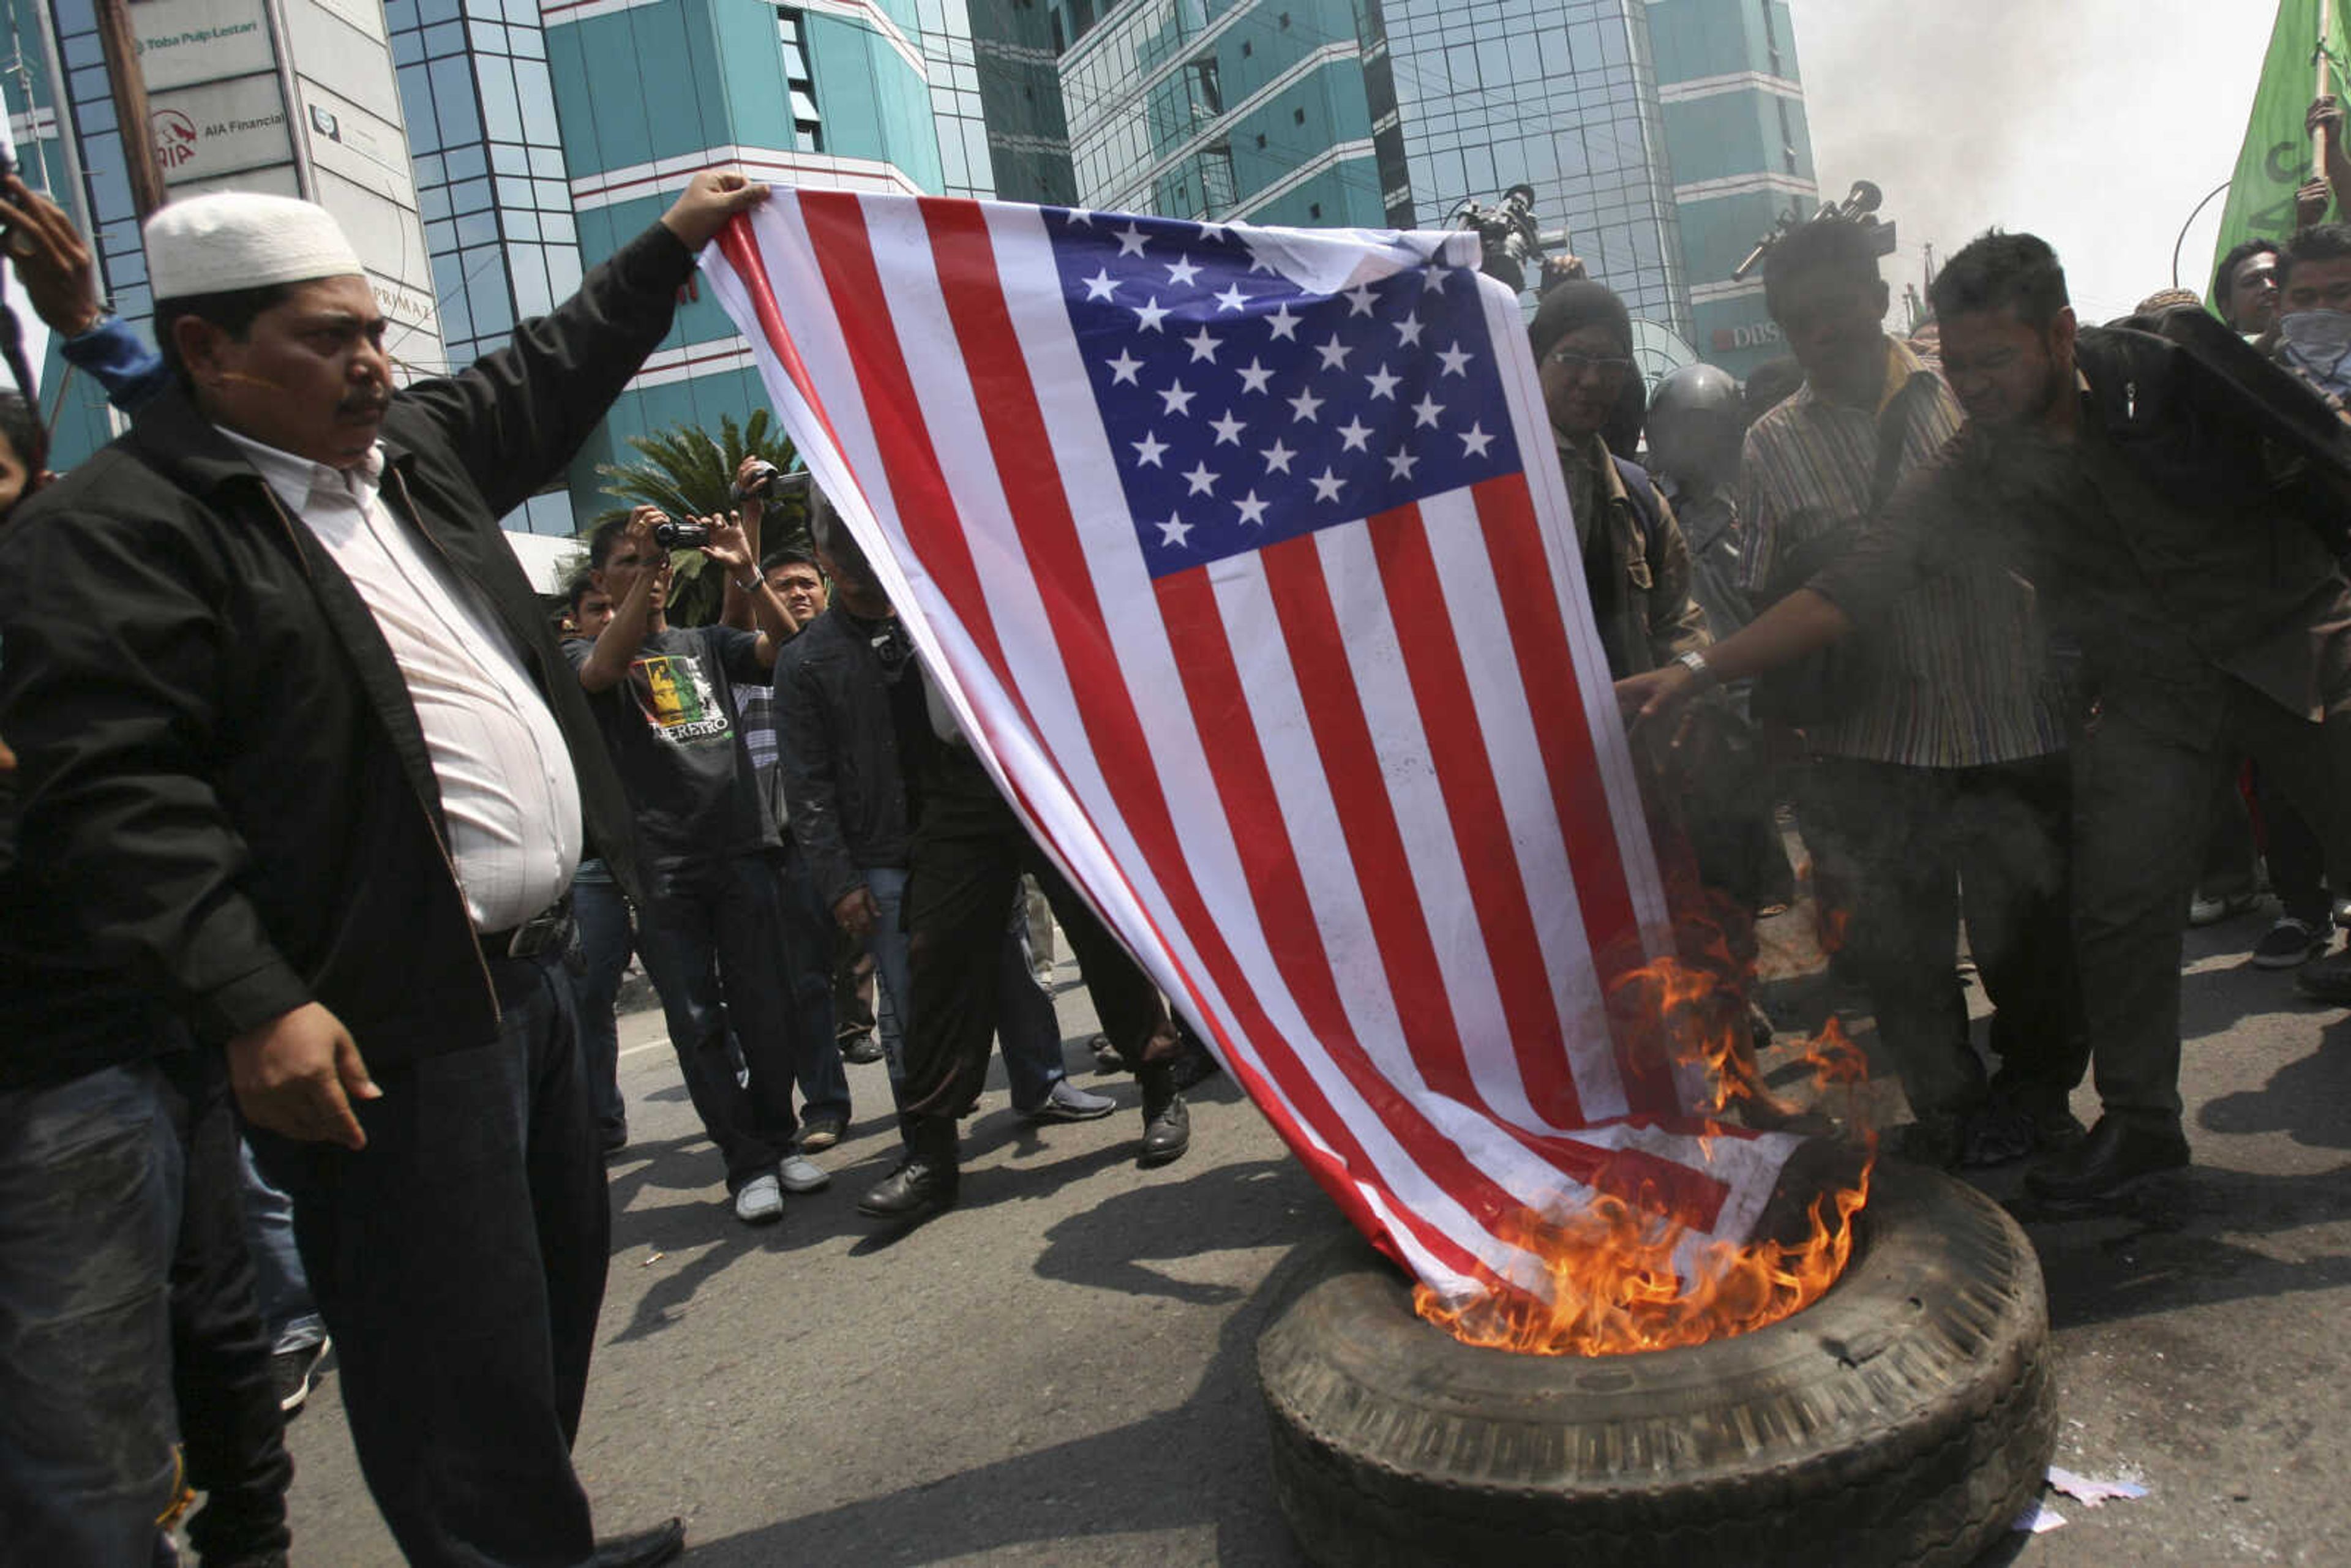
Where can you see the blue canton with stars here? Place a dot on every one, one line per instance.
(1244, 410)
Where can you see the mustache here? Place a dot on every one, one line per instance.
(367, 405)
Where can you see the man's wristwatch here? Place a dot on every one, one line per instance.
(1694, 663)
(751, 586)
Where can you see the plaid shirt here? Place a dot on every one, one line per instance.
(1957, 673)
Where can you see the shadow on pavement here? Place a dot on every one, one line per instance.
(1126, 1480)
(2309, 1100)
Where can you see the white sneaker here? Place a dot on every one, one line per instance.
(801, 1174)
(760, 1201)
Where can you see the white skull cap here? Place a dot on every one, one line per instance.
(240, 239)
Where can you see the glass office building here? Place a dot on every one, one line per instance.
(1663, 135)
(1276, 112)
(491, 181)
(1560, 95)
(1741, 153)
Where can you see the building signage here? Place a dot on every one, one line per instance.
(1763, 334)
(186, 41)
(220, 128)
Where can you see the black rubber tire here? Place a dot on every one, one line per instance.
(1907, 1416)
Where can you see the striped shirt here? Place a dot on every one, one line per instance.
(1957, 673)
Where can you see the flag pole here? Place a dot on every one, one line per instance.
(2318, 138)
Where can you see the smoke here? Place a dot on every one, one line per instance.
(2097, 124)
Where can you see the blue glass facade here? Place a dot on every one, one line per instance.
(491, 182)
(1276, 112)
(1741, 153)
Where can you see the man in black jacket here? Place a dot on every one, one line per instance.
(304, 773)
(2167, 493)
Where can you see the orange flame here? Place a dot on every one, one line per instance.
(1615, 1287)
(1616, 1281)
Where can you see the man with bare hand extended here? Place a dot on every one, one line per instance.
(302, 765)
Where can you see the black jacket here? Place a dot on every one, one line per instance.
(842, 777)
(225, 806)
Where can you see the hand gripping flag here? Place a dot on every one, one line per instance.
(1245, 557)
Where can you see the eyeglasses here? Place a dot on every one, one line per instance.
(1606, 368)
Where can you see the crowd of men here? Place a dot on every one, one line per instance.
(326, 847)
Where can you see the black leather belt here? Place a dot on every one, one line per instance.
(548, 931)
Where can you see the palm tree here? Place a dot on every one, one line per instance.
(687, 475)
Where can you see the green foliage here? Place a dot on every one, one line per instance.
(686, 474)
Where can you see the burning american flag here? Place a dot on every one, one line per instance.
(1245, 555)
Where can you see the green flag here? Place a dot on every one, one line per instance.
(2277, 155)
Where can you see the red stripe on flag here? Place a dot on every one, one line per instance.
(926, 503)
(1473, 806)
(740, 243)
(1530, 609)
(1040, 506)
(1351, 763)
(1220, 712)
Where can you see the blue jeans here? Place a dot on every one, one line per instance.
(91, 1177)
(893, 979)
(288, 1312)
(601, 911)
(710, 932)
(459, 1260)
(126, 1314)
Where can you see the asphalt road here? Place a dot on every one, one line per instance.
(1058, 1372)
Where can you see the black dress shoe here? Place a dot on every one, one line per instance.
(916, 1190)
(644, 1549)
(1167, 1135)
(2116, 1155)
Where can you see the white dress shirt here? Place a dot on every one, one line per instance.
(508, 790)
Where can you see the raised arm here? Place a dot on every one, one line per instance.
(516, 417)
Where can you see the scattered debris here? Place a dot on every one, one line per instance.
(2092, 1492)
(651, 1259)
(2040, 1519)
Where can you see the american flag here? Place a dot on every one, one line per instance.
(1245, 554)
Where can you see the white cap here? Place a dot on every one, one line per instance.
(239, 239)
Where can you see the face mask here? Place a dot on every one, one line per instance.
(2319, 341)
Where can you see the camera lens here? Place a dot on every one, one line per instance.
(674, 534)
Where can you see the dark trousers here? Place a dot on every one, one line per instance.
(2142, 804)
(968, 856)
(806, 960)
(605, 942)
(230, 1424)
(1924, 846)
(459, 1262)
(125, 1290)
(2295, 856)
(711, 935)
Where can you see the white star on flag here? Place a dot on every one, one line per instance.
(1456, 361)
(1101, 286)
(1203, 346)
(1252, 509)
(1130, 240)
(1277, 457)
(1174, 530)
(1353, 434)
(1326, 485)
(1182, 271)
(1203, 483)
(1255, 377)
(1149, 450)
(1229, 429)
